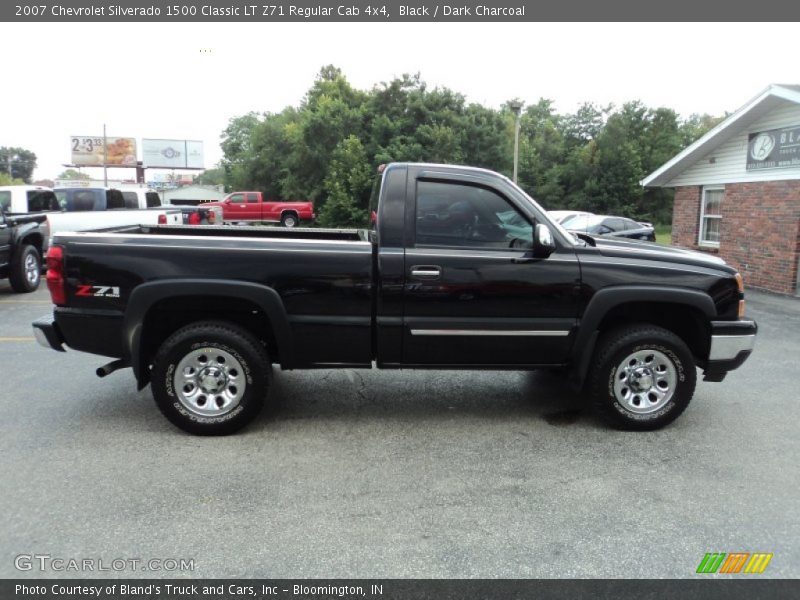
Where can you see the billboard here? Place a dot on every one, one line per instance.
(172, 154)
(89, 151)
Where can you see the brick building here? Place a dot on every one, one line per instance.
(737, 190)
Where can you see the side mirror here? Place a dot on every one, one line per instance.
(543, 243)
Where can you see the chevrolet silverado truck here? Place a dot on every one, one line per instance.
(252, 207)
(461, 270)
(22, 239)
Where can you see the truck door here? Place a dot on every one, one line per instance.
(473, 293)
(252, 206)
(235, 208)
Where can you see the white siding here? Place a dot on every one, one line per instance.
(730, 159)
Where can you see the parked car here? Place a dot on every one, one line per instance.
(22, 243)
(21, 199)
(609, 226)
(82, 199)
(559, 216)
(445, 279)
(253, 207)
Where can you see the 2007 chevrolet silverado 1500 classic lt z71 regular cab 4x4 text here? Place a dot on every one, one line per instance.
(461, 270)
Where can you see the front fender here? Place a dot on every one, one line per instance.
(606, 299)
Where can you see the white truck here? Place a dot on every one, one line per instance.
(26, 199)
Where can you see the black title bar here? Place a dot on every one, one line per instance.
(386, 11)
(395, 589)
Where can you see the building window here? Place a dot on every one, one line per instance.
(711, 216)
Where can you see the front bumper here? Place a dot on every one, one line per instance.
(46, 332)
(731, 343)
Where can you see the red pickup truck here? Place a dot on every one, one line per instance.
(251, 206)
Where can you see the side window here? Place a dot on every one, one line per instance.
(467, 216)
(39, 201)
(152, 199)
(630, 224)
(61, 196)
(615, 224)
(711, 216)
(5, 200)
(252, 197)
(237, 198)
(131, 199)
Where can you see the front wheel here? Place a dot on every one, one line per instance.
(26, 270)
(210, 378)
(643, 377)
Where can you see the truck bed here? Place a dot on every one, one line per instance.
(322, 278)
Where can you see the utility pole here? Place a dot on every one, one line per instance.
(105, 157)
(516, 108)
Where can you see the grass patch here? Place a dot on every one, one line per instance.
(664, 234)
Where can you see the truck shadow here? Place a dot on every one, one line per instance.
(542, 395)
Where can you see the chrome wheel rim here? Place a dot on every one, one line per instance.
(645, 381)
(209, 382)
(289, 222)
(31, 269)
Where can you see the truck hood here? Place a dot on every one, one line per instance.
(651, 251)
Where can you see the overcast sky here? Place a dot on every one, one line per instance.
(152, 80)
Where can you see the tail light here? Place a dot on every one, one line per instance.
(162, 219)
(55, 275)
(740, 285)
(194, 218)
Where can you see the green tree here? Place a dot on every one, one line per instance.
(215, 176)
(19, 163)
(347, 185)
(73, 174)
(6, 179)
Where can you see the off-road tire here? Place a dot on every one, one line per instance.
(613, 358)
(213, 340)
(24, 280)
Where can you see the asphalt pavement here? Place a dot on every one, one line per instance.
(409, 474)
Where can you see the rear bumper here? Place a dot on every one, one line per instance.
(92, 331)
(46, 332)
(732, 342)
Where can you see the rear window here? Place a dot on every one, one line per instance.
(5, 199)
(41, 200)
(81, 200)
(114, 199)
(152, 199)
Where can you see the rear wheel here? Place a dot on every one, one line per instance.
(210, 378)
(289, 220)
(26, 269)
(643, 377)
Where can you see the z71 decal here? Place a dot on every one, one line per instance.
(98, 291)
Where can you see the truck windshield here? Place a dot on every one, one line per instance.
(570, 237)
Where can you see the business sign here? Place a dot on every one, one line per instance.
(172, 154)
(94, 151)
(774, 149)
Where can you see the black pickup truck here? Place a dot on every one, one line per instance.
(22, 239)
(461, 269)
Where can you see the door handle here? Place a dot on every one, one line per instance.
(426, 271)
